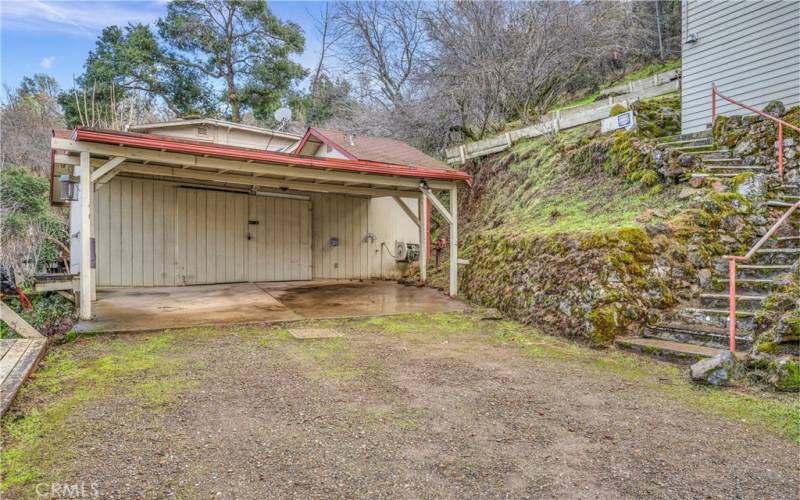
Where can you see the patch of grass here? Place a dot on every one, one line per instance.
(644, 72)
(561, 184)
(420, 327)
(334, 358)
(38, 444)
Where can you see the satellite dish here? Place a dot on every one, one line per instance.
(282, 115)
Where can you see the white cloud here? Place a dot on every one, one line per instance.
(48, 62)
(85, 19)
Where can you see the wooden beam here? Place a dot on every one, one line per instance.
(261, 181)
(19, 325)
(407, 210)
(187, 160)
(453, 242)
(107, 168)
(438, 204)
(52, 286)
(422, 208)
(86, 235)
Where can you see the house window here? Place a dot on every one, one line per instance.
(202, 131)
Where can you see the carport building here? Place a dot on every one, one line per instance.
(187, 202)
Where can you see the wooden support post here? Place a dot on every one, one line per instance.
(454, 242)
(422, 210)
(86, 236)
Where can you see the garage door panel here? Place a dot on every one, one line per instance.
(209, 225)
(280, 244)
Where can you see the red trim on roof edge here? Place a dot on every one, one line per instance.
(325, 140)
(147, 141)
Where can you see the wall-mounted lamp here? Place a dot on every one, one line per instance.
(68, 190)
(691, 38)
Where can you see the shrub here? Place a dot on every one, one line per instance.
(617, 109)
(29, 227)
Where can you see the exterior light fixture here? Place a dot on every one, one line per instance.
(68, 190)
(691, 38)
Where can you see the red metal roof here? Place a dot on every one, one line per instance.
(364, 147)
(161, 143)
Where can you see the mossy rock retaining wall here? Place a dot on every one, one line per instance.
(598, 285)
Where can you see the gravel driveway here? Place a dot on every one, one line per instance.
(434, 406)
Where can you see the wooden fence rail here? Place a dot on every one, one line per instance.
(653, 86)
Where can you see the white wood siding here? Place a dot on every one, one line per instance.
(750, 49)
(279, 248)
(345, 218)
(211, 236)
(153, 233)
(134, 228)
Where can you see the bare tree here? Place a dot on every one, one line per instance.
(381, 42)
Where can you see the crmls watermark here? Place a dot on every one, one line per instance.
(67, 490)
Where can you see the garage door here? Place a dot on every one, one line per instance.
(226, 237)
(279, 239)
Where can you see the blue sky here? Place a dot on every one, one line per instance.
(54, 37)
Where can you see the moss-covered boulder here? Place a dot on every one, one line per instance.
(784, 374)
(720, 370)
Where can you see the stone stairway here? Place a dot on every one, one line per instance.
(717, 162)
(700, 329)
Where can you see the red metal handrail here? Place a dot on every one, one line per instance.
(732, 259)
(781, 123)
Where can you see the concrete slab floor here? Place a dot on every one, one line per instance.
(142, 309)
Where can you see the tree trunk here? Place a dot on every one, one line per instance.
(233, 98)
(658, 28)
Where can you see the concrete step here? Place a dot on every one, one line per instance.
(788, 250)
(680, 137)
(713, 317)
(676, 352)
(745, 302)
(701, 335)
(757, 268)
(747, 286)
(778, 203)
(716, 153)
(789, 241)
(713, 176)
(778, 256)
(721, 161)
(683, 143)
(695, 149)
(734, 168)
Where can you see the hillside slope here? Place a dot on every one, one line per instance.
(590, 235)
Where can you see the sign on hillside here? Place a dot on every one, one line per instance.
(625, 120)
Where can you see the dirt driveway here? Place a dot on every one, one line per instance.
(425, 406)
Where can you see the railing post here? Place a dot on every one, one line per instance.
(713, 105)
(732, 302)
(780, 150)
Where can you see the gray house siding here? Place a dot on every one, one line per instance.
(750, 49)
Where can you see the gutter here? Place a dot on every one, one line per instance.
(146, 141)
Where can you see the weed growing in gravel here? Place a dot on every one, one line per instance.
(333, 358)
(778, 414)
